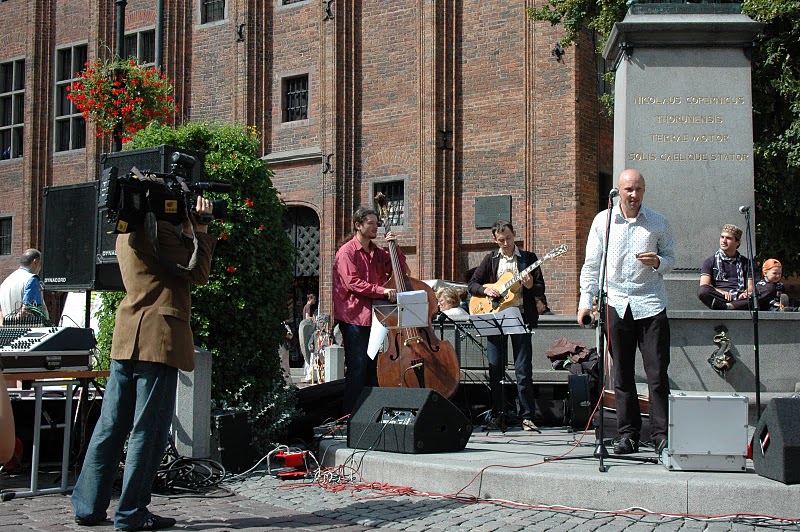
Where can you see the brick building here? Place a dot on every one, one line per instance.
(458, 111)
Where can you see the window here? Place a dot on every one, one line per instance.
(70, 127)
(142, 46)
(12, 108)
(211, 11)
(5, 236)
(395, 200)
(295, 98)
(604, 86)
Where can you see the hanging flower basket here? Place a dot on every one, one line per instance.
(122, 93)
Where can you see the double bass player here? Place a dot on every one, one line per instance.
(360, 270)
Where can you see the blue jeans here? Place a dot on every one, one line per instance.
(361, 370)
(497, 353)
(139, 399)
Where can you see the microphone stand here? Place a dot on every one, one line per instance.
(600, 450)
(754, 296)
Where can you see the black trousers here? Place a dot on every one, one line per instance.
(651, 336)
(707, 294)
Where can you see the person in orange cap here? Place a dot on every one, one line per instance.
(771, 295)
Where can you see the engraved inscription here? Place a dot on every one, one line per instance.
(690, 146)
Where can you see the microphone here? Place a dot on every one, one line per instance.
(744, 209)
(614, 193)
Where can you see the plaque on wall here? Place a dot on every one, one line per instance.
(489, 209)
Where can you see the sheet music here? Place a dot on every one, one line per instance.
(377, 335)
(508, 321)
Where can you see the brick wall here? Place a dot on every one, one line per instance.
(384, 81)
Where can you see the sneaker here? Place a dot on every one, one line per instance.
(529, 425)
(717, 304)
(659, 444)
(624, 445)
(153, 522)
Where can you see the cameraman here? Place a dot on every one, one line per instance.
(152, 341)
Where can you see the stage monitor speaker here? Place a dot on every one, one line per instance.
(68, 237)
(407, 420)
(776, 441)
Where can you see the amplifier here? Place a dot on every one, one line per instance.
(21, 339)
(35, 361)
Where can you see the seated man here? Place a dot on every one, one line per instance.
(724, 275)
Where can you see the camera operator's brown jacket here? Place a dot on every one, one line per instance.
(152, 322)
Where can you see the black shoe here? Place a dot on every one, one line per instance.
(153, 522)
(717, 304)
(624, 445)
(84, 521)
(660, 444)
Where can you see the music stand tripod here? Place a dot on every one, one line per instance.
(505, 322)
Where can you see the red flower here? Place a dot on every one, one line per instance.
(261, 227)
(231, 269)
(248, 202)
(115, 94)
(223, 236)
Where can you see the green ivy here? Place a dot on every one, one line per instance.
(237, 316)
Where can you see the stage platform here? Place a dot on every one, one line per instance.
(517, 466)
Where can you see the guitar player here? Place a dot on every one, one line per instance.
(509, 258)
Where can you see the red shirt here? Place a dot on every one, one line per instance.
(358, 278)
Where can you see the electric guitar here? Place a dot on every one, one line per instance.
(509, 287)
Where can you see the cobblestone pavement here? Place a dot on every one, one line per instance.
(265, 503)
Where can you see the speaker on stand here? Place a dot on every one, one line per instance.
(776, 441)
(69, 236)
(407, 420)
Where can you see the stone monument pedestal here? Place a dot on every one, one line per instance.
(683, 118)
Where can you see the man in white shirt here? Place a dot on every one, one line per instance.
(23, 288)
(640, 252)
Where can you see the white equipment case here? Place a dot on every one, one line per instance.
(707, 432)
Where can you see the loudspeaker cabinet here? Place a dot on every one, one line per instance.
(407, 420)
(706, 432)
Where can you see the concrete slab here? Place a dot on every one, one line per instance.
(518, 466)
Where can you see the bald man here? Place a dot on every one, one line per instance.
(640, 252)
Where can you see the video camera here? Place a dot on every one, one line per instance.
(169, 196)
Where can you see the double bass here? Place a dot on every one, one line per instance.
(415, 358)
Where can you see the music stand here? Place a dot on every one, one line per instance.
(410, 310)
(505, 322)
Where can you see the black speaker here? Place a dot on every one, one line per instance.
(230, 440)
(776, 441)
(407, 420)
(68, 237)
